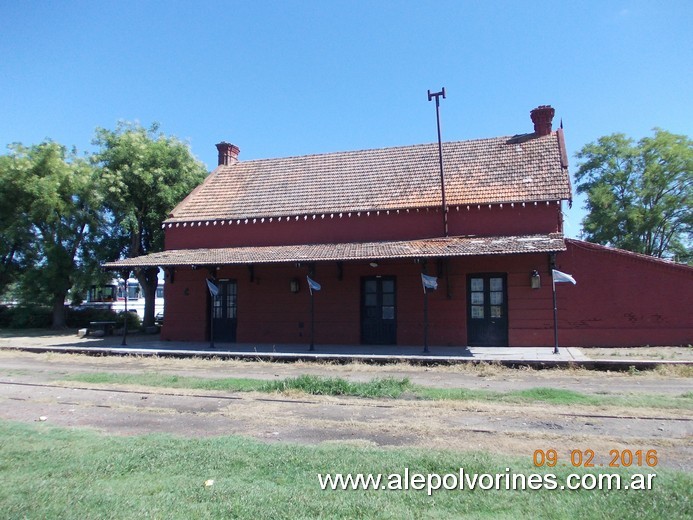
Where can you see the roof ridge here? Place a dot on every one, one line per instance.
(381, 149)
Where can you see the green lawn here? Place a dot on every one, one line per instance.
(56, 473)
(388, 388)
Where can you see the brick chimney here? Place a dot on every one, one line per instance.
(542, 116)
(228, 153)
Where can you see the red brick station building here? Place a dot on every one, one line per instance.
(366, 224)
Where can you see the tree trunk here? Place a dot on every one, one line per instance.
(149, 280)
(59, 311)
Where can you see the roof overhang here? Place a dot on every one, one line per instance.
(422, 248)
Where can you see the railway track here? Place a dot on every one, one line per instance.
(364, 402)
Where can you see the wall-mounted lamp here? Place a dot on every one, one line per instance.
(535, 280)
(373, 264)
(294, 285)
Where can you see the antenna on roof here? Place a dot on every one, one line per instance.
(437, 95)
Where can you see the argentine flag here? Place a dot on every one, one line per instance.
(429, 282)
(558, 276)
(213, 289)
(312, 285)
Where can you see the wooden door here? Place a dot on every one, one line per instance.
(487, 310)
(224, 311)
(378, 311)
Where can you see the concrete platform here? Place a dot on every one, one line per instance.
(537, 357)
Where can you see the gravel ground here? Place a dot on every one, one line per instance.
(32, 387)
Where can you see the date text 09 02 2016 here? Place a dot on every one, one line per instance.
(585, 458)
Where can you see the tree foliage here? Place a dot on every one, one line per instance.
(56, 202)
(16, 249)
(146, 174)
(639, 195)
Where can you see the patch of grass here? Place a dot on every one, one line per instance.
(674, 370)
(8, 333)
(14, 372)
(388, 388)
(74, 474)
(315, 385)
(457, 394)
(230, 384)
(558, 396)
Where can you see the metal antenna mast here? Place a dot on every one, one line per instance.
(440, 156)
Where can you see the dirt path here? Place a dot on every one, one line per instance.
(31, 389)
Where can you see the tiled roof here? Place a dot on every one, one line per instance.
(639, 257)
(503, 169)
(424, 248)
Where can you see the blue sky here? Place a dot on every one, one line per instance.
(300, 77)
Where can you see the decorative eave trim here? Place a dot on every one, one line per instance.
(168, 224)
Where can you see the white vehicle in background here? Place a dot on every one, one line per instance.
(112, 296)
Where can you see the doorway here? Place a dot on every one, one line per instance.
(224, 311)
(487, 310)
(378, 311)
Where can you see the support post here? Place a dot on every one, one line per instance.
(555, 317)
(425, 310)
(212, 299)
(426, 322)
(125, 316)
(211, 322)
(312, 321)
(311, 274)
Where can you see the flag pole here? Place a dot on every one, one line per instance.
(213, 293)
(425, 309)
(555, 316)
(425, 321)
(211, 320)
(312, 287)
(312, 319)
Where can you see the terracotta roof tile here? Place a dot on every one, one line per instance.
(424, 248)
(485, 171)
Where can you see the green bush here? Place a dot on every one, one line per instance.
(26, 317)
(80, 318)
(41, 317)
(5, 316)
(134, 322)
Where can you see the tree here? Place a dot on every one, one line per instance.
(639, 195)
(146, 174)
(57, 205)
(15, 232)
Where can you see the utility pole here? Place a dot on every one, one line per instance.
(437, 95)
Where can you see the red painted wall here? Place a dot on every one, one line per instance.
(185, 306)
(269, 313)
(483, 221)
(621, 299)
